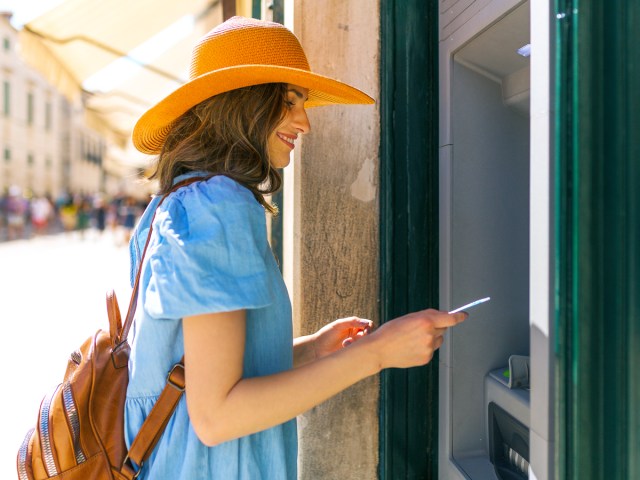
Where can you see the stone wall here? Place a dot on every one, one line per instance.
(335, 259)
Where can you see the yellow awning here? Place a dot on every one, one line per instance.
(145, 44)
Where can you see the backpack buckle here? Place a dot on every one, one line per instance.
(128, 465)
(178, 386)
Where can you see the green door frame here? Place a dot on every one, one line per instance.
(409, 226)
(597, 240)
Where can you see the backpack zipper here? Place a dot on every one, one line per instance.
(22, 456)
(45, 440)
(74, 421)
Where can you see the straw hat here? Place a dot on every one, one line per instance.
(238, 53)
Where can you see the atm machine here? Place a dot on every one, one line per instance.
(485, 212)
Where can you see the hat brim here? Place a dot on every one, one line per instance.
(154, 125)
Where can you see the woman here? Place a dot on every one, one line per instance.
(210, 287)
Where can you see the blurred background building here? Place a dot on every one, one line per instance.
(77, 76)
(51, 143)
(48, 147)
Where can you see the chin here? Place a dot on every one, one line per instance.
(281, 162)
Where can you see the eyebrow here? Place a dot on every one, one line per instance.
(298, 94)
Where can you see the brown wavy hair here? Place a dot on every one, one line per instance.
(227, 135)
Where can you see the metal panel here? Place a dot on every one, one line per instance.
(484, 213)
(463, 12)
(450, 10)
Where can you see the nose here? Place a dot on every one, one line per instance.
(301, 121)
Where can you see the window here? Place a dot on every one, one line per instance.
(29, 108)
(7, 98)
(7, 155)
(6, 43)
(47, 116)
(30, 160)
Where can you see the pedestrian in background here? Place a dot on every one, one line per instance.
(210, 287)
(128, 216)
(69, 214)
(83, 215)
(16, 208)
(100, 213)
(3, 211)
(41, 214)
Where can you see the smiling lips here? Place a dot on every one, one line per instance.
(288, 140)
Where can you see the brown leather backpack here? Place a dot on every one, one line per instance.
(80, 430)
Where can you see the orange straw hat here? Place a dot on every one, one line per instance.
(238, 53)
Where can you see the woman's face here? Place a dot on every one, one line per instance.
(294, 123)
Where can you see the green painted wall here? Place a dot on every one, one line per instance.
(409, 226)
(598, 240)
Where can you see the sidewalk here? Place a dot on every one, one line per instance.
(52, 297)
(28, 233)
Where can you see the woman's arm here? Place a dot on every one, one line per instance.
(303, 351)
(223, 405)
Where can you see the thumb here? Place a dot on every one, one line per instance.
(346, 342)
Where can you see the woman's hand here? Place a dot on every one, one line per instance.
(411, 340)
(339, 334)
(330, 338)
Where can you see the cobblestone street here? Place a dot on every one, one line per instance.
(52, 297)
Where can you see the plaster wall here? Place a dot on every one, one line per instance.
(335, 239)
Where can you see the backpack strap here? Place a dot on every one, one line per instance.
(155, 423)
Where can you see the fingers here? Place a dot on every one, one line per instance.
(354, 335)
(357, 326)
(442, 321)
(439, 331)
(437, 338)
(357, 323)
(445, 320)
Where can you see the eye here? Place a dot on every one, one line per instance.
(290, 104)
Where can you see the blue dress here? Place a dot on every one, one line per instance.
(208, 253)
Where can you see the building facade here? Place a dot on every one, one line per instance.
(47, 143)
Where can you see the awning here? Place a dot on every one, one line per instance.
(126, 54)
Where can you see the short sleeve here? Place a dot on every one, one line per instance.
(208, 253)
